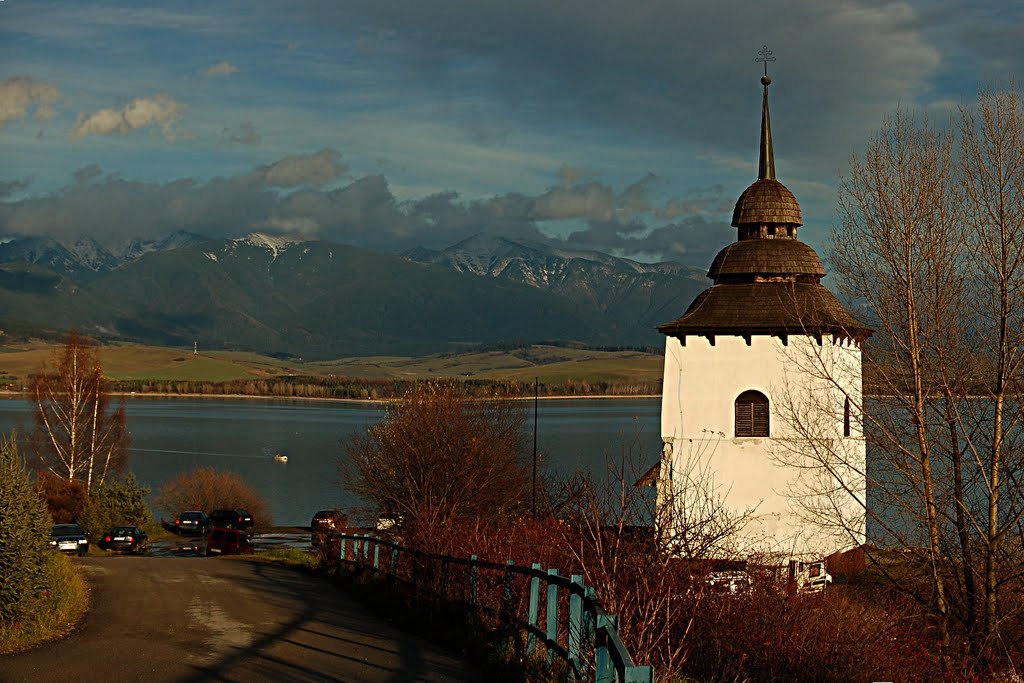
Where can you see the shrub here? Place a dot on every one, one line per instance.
(440, 458)
(65, 498)
(25, 554)
(119, 502)
(206, 488)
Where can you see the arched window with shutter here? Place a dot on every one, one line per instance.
(752, 414)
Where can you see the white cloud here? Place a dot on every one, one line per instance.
(304, 169)
(159, 110)
(221, 69)
(20, 94)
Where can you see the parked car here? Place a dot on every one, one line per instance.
(69, 538)
(130, 539)
(228, 542)
(325, 522)
(231, 519)
(191, 522)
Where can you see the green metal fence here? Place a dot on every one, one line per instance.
(561, 613)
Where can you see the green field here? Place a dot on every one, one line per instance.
(548, 363)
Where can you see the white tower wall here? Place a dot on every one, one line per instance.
(788, 478)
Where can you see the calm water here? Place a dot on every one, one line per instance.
(170, 436)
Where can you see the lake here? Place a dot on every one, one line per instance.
(173, 435)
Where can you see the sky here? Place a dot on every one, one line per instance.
(623, 126)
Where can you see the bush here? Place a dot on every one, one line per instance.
(206, 488)
(65, 498)
(53, 613)
(440, 458)
(25, 554)
(120, 502)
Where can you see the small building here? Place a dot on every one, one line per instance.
(764, 343)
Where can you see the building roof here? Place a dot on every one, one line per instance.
(767, 202)
(766, 308)
(767, 257)
(767, 282)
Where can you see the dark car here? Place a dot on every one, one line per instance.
(191, 522)
(69, 538)
(325, 522)
(231, 519)
(228, 542)
(130, 539)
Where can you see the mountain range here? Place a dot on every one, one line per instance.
(316, 299)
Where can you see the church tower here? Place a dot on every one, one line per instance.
(766, 342)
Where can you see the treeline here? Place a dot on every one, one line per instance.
(362, 388)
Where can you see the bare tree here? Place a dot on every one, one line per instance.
(931, 244)
(646, 553)
(77, 435)
(439, 457)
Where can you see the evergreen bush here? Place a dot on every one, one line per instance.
(25, 554)
(114, 504)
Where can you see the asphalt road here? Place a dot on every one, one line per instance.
(226, 619)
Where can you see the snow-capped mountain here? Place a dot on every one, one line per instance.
(647, 292)
(86, 256)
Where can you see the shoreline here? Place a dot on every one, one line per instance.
(333, 399)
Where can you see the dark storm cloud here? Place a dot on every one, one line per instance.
(654, 66)
(363, 212)
(693, 241)
(7, 188)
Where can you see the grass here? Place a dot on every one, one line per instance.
(55, 613)
(289, 557)
(548, 363)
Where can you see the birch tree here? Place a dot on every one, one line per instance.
(930, 243)
(77, 433)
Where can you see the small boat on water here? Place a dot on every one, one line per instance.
(280, 457)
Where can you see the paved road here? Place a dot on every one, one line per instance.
(196, 619)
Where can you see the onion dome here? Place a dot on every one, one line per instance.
(767, 282)
(767, 202)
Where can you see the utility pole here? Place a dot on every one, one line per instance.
(536, 401)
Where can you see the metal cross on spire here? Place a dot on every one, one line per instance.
(765, 55)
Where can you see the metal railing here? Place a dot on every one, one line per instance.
(574, 628)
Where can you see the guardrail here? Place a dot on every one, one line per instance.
(568, 621)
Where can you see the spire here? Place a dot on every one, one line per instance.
(766, 160)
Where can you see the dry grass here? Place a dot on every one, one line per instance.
(549, 363)
(56, 612)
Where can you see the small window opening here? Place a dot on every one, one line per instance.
(846, 417)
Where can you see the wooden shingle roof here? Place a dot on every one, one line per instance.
(767, 202)
(766, 257)
(766, 308)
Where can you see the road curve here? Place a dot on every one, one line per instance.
(197, 619)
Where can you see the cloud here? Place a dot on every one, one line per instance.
(160, 110)
(9, 187)
(657, 69)
(304, 169)
(221, 69)
(294, 196)
(242, 134)
(20, 94)
(570, 175)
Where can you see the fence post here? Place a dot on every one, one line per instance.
(376, 555)
(344, 540)
(506, 608)
(575, 622)
(393, 574)
(552, 616)
(473, 578)
(605, 672)
(531, 639)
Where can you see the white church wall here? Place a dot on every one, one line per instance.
(701, 384)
